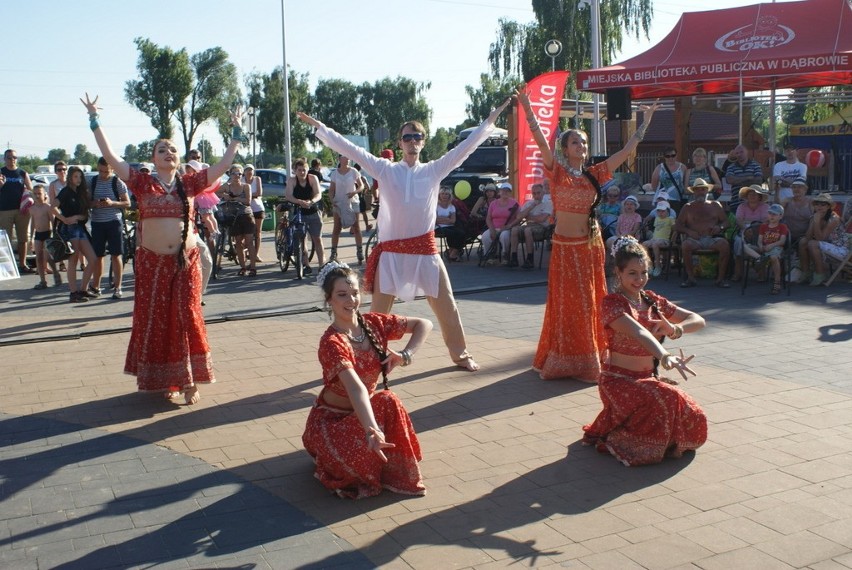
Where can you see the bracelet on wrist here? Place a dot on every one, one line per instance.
(406, 356)
(93, 121)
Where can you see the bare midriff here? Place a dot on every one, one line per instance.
(571, 224)
(631, 362)
(336, 400)
(162, 235)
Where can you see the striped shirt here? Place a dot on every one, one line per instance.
(103, 189)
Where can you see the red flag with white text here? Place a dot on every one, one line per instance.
(545, 93)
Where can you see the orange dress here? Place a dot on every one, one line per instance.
(572, 341)
(335, 437)
(643, 419)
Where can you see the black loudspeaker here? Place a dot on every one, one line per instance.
(618, 104)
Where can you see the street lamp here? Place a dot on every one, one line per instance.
(552, 49)
(252, 131)
(599, 129)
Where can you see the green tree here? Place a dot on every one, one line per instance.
(54, 155)
(436, 145)
(214, 93)
(491, 93)
(207, 151)
(30, 162)
(266, 94)
(390, 102)
(336, 103)
(165, 84)
(83, 156)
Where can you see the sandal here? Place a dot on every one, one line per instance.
(776, 288)
(241, 272)
(466, 361)
(191, 396)
(252, 273)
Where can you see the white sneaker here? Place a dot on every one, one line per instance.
(657, 272)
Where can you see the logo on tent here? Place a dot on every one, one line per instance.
(768, 33)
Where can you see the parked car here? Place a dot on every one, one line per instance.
(42, 178)
(274, 180)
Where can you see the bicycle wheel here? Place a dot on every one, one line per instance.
(298, 240)
(219, 251)
(281, 252)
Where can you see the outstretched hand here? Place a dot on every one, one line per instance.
(237, 116)
(648, 110)
(304, 117)
(678, 363)
(496, 112)
(91, 105)
(376, 443)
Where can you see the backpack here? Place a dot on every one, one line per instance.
(114, 187)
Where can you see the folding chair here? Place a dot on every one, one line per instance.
(786, 264)
(844, 264)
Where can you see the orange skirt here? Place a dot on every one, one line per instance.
(572, 339)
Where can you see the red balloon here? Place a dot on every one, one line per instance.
(815, 159)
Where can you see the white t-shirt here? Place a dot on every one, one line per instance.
(444, 213)
(788, 172)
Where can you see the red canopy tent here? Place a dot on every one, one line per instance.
(752, 48)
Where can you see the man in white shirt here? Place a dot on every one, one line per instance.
(406, 263)
(536, 213)
(783, 174)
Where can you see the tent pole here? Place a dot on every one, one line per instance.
(741, 110)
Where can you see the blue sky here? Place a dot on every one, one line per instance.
(59, 49)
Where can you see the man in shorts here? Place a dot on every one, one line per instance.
(702, 223)
(108, 199)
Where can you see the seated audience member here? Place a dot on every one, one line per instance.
(663, 227)
(825, 235)
(751, 213)
(648, 222)
(445, 224)
(608, 211)
(501, 213)
(532, 221)
(628, 223)
(479, 211)
(771, 239)
(798, 210)
(702, 223)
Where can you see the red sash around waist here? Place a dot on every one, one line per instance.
(417, 245)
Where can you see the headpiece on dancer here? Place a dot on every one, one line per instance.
(328, 268)
(623, 242)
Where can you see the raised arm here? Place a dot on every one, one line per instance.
(237, 136)
(535, 128)
(121, 168)
(619, 157)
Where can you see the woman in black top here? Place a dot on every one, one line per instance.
(303, 190)
(72, 210)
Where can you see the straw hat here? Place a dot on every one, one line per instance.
(756, 188)
(824, 197)
(700, 183)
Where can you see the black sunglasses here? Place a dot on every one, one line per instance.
(413, 137)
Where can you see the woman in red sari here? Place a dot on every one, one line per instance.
(645, 418)
(572, 342)
(168, 350)
(362, 440)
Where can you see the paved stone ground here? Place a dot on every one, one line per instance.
(97, 476)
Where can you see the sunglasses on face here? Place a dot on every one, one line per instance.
(413, 137)
(61, 169)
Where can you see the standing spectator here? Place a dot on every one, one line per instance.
(60, 169)
(669, 177)
(501, 214)
(365, 199)
(316, 170)
(236, 192)
(784, 173)
(42, 217)
(742, 171)
(72, 210)
(195, 155)
(825, 234)
(703, 223)
(750, 214)
(798, 211)
(108, 199)
(663, 226)
(16, 182)
(343, 191)
(703, 169)
(536, 213)
(258, 210)
(303, 190)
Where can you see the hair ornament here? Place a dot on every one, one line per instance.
(328, 268)
(622, 242)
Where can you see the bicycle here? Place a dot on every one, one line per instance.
(225, 215)
(290, 245)
(128, 239)
(374, 236)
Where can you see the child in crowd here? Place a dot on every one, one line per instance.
(608, 211)
(628, 223)
(41, 215)
(663, 226)
(772, 235)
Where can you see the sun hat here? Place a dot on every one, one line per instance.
(663, 205)
(700, 183)
(248, 167)
(504, 186)
(632, 199)
(757, 189)
(824, 197)
(195, 165)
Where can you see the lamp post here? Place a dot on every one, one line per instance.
(598, 126)
(252, 131)
(552, 49)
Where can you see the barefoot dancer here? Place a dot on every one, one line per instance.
(168, 350)
(406, 263)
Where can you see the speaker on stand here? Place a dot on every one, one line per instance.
(618, 104)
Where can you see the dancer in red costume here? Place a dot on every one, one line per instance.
(572, 341)
(168, 349)
(645, 417)
(362, 440)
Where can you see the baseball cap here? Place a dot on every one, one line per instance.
(248, 167)
(504, 186)
(776, 209)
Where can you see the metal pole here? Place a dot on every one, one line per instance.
(599, 128)
(288, 151)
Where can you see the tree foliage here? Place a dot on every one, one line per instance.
(436, 145)
(266, 94)
(337, 102)
(165, 83)
(213, 95)
(492, 92)
(54, 155)
(83, 156)
(390, 102)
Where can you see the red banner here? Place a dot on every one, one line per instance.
(545, 93)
